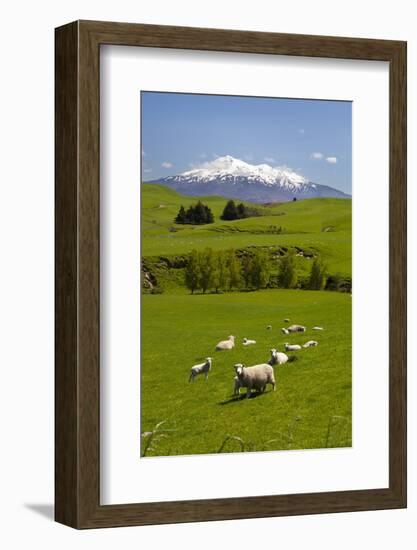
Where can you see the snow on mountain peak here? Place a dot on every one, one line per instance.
(228, 168)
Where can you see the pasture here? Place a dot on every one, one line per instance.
(311, 407)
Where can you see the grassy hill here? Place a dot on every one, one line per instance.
(320, 225)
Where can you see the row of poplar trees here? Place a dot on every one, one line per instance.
(210, 270)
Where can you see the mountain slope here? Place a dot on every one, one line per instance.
(230, 177)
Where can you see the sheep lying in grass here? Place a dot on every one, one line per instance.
(277, 358)
(247, 342)
(310, 344)
(318, 328)
(255, 378)
(226, 344)
(285, 331)
(292, 347)
(269, 327)
(296, 328)
(202, 368)
(286, 320)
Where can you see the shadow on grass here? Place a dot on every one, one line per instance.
(242, 397)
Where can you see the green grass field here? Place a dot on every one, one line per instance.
(323, 225)
(311, 407)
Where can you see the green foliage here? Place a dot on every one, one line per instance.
(233, 265)
(287, 276)
(207, 268)
(200, 214)
(221, 272)
(232, 212)
(260, 269)
(317, 275)
(192, 272)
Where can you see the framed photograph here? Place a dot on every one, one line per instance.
(230, 274)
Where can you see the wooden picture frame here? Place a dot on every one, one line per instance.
(77, 405)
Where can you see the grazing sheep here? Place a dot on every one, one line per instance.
(269, 327)
(247, 342)
(292, 347)
(285, 331)
(277, 358)
(318, 328)
(296, 328)
(255, 378)
(286, 320)
(202, 368)
(310, 344)
(226, 344)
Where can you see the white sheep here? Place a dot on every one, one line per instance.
(277, 357)
(269, 327)
(202, 368)
(255, 378)
(296, 328)
(318, 328)
(292, 347)
(226, 344)
(310, 344)
(286, 320)
(285, 331)
(247, 342)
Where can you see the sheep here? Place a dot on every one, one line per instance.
(269, 327)
(277, 358)
(296, 328)
(285, 331)
(286, 320)
(226, 344)
(318, 328)
(310, 344)
(292, 347)
(256, 377)
(247, 342)
(202, 368)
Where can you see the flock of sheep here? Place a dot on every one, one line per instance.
(258, 376)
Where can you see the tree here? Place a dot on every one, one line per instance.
(241, 211)
(192, 271)
(207, 268)
(233, 266)
(221, 272)
(286, 273)
(260, 269)
(247, 270)
(181, 216)
(230, 211)
(317, 275)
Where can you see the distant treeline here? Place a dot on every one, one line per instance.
(200, 214)
(210, 270)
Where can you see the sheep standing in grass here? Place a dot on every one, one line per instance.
(292, 347)
(202, 368)
(247, 342)
(226, 344)
(277, 358)
(310, 344)
(255, 378)
(296, 328)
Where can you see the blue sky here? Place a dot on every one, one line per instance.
(182, 131)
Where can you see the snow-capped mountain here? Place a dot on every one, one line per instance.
(233, 178)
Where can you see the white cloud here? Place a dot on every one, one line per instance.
(167, 164)
(331, 160)
(203, 155)
(269, 159)
(148, 170)
(317, 156)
